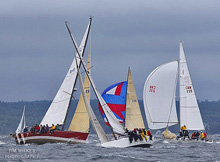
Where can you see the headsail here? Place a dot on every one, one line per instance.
(133, 117)
(189, 109)
(21, 125)
(57, 111)
(81, 114)
(112, 120)
(159, 96)
(95, 123)
(115, 97)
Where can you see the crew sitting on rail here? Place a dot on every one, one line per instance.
(57, 127)
(193, 136)
(180, 135)
(144, 133)
(25, 129)
(186, 134)
(203, 136)
(149, 134)
(183, 128)
(52, 128)
(47, 128)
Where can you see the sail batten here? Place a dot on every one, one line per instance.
(189, 110)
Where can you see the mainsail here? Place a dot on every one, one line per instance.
(112, 120)
(21, 125)
(159, 96)
(115, 97)
(81, 114)
(133, 117)
(189, 109)
(56, 114)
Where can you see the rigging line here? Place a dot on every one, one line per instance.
(173, 98)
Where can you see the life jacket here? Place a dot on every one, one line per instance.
(205, 135)
(183, 128)
(202, 135)
(53, 127)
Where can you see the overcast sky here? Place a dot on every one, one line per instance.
(36, 50)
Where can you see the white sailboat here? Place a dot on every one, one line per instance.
(57, 112)
(112, 120)
(21, 125)
(189, 110)
(159, 97)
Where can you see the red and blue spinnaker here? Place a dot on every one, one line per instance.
(115, 97)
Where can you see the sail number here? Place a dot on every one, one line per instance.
(152, 89)
(188, 89)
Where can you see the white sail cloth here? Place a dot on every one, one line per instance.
(189, 109)
(159, 96)
(21, 125)
(57, 111)
(112, 120)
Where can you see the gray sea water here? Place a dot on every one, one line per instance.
(162, 150)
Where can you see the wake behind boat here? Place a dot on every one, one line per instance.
(56, 114)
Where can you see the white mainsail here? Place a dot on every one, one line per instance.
(95, 123)
(21, 125)
(189, 109)
(112, 120)
(57, 111)
(159, 96)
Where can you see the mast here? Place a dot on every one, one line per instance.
(95, 123)
(82, 49)
(81, 114)
(57, 112)
(113, 121)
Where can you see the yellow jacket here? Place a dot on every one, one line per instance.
(53, 127)
(202, 135)
(183, 127)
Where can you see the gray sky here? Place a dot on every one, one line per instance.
(36, 50)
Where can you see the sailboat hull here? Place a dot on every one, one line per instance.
(124, 143)
(54, 137)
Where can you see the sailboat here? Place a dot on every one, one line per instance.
(56, 114)
(22, 123)
(114, 123)
(159, 97)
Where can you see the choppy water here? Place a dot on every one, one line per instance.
(162, 150)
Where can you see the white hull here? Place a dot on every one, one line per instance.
(124, 142)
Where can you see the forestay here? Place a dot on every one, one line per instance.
(159, 96)
(189, 110)
(57, 111)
